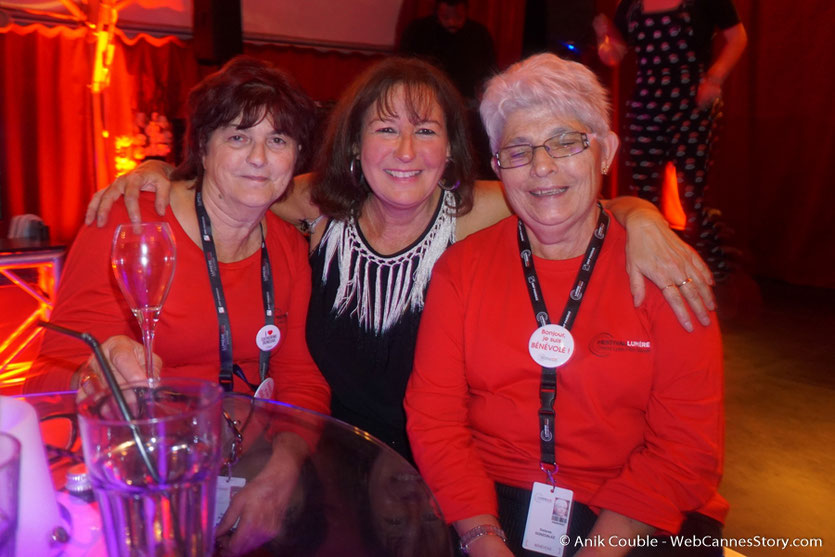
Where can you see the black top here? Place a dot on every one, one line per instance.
(466, 56)
(706, 16)
(368, 368)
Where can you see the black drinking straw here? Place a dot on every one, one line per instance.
(114, 387)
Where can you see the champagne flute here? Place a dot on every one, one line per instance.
(143, 259)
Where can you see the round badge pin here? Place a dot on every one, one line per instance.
(267, 337)
(265, 389)
(551, 345)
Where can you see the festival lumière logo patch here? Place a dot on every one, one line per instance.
(603, 344)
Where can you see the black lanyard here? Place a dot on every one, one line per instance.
(548, 381)
(228, 367)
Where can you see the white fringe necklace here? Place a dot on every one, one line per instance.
(378, 306)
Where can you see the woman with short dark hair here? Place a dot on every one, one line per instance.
(248, 128)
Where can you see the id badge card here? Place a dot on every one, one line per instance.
(227, 487)
(548, 515)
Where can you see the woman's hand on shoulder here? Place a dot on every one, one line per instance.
(657, 253)
(296, 207)
(151, 175)
(489, 207)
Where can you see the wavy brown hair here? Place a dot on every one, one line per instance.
(335, 189)
(251, 89)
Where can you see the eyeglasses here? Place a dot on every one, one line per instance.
(566, 144)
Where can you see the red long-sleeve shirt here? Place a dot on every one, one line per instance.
(187, 333)
(639, 412)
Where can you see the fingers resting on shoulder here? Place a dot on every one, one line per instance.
(149, 176)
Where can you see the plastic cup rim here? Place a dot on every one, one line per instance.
(203, 405)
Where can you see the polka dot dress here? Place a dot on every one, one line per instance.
(663, 120)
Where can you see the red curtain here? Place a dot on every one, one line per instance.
(774, 171)
(47, 159)
(46, 135)
(323, 74)
(505, 19)
(47, 162)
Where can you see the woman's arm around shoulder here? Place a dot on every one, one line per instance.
(655, 252)
(151, 175)
(489, 207)
(296, 207)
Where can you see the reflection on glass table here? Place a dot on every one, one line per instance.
(352, 495)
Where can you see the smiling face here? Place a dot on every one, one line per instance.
(555, 198)
(402, 159)
(248, 169)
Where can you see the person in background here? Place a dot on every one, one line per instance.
(463, 48)
(248, 131)
(537, 378)
(672, 114)
(460, 46)
(393, 190)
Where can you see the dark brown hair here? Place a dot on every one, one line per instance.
(251, 89)
(335, 190)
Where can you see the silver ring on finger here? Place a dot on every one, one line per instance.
(686, 281)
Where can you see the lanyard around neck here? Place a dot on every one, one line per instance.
(228, 368)
(548, 380)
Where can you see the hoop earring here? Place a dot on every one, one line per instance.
(443, 185)
(356, 170)
(443, 182)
